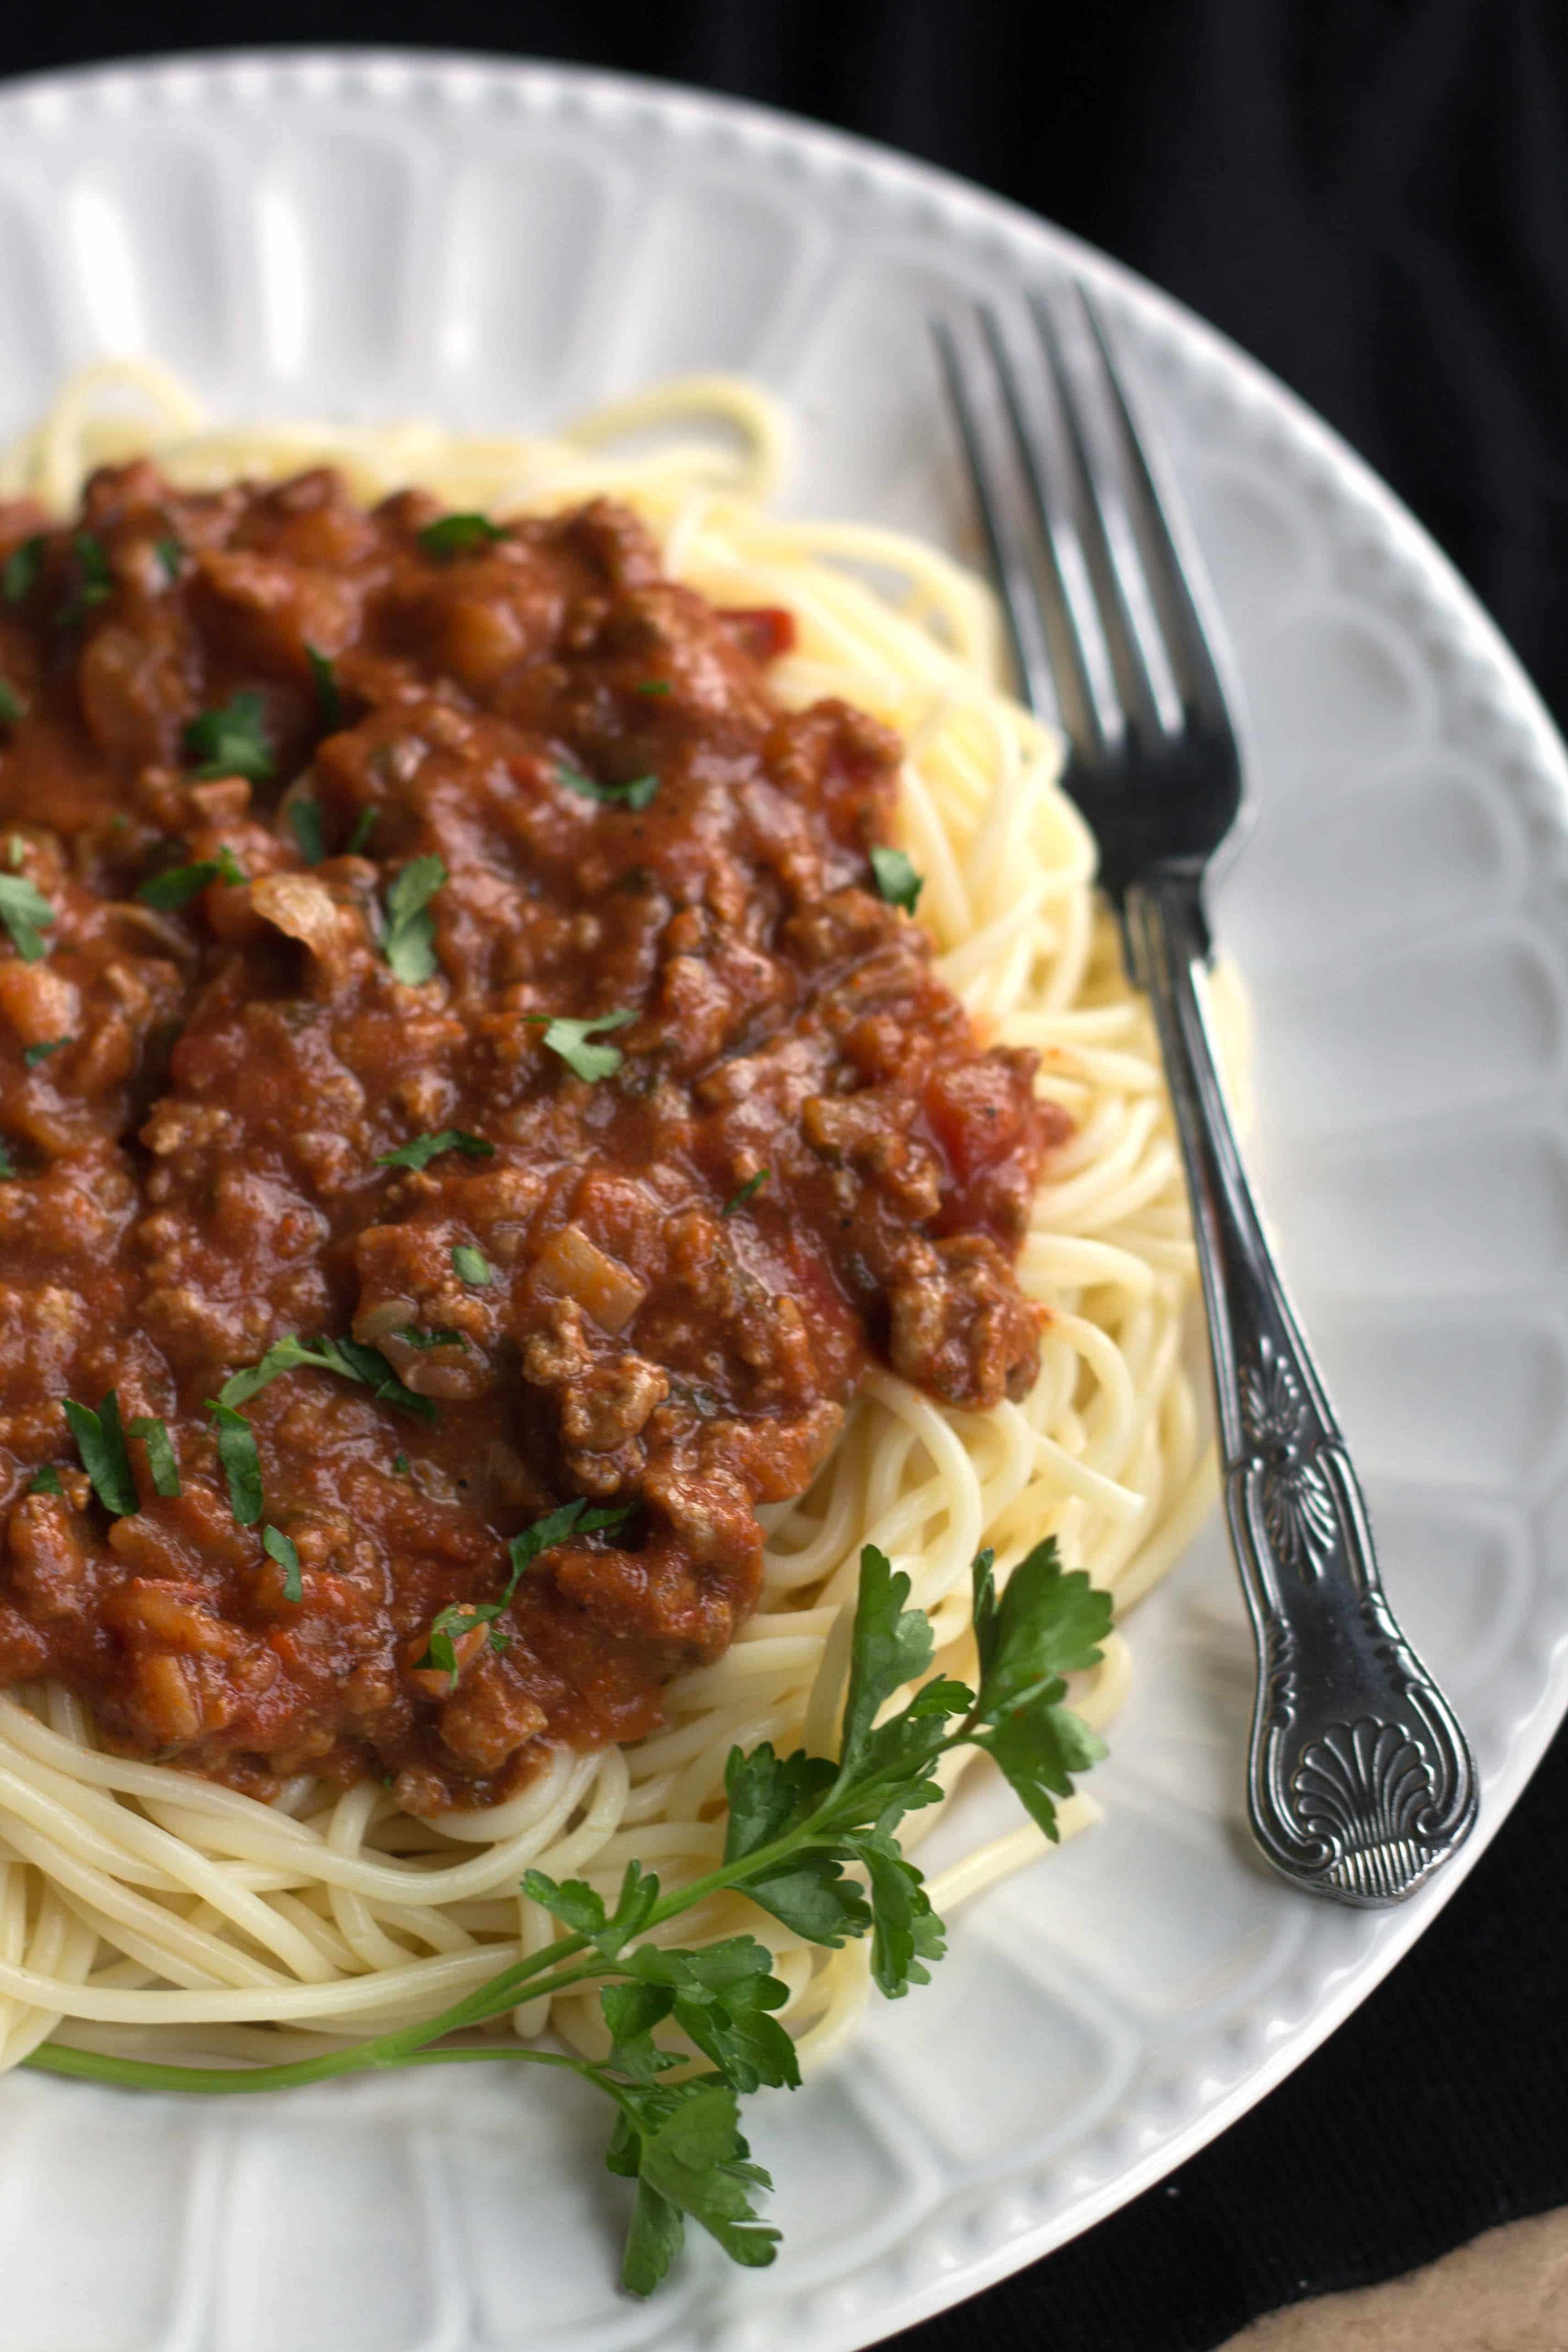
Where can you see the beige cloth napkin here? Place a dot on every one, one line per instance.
(1505, 2292)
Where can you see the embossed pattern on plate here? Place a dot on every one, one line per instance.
(380, 235)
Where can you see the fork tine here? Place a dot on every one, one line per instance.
(1096, 719)
(1200, 644)
(1127, 602)
(1010, 555)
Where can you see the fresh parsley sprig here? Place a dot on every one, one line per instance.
(351, 1359)
(94, 580)
(637, 795)
(449, 1625)
(329, 695)
(179, 885)
(408, 941)
(897, 879)
(810, 1839)
(232, 740)
(458, 534)
(570, 1040)
(27, 915)
(422, 1148)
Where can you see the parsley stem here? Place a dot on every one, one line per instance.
(144, 2074)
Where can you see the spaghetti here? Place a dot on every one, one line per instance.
(144, 1911)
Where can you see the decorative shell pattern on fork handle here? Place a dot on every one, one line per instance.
(1364, 1799)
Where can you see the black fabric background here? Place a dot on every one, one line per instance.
(1372, 196)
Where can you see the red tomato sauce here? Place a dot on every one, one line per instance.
(657, 1270)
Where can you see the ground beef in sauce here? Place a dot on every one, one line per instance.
(193, 1170)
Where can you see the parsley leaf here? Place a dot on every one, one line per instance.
(752, 1185)
(450, 1624)
(408, 942)
(1046, 1623)
(170, 555)
(896, 878)
(161, 1462)
(41, 1052)
(22, 565)
(458, 534)
(891, 1646)
(26, 913)
(635, 795)
(241, 1463)
(654, 686)
(45, 1480)
(422, 1148)
(365, 825)
(232, 742)
(95, 581)
(101, 1442)
(471, 1264)
(1039, 1747)
(684, 2148)
(412, 1336)
(570, 1040)
(305, 823)
(12, 706)
(329, 700)
(278, 1548)
(180, 884)
(7, 1165)
(349, 1358)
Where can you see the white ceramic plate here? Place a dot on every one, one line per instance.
(373, 236)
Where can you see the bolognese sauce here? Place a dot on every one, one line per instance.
(448, 1010)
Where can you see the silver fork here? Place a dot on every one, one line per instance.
(1360, 1784)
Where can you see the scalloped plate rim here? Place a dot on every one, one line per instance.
(697, 110)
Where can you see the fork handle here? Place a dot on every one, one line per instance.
(1358, 1779)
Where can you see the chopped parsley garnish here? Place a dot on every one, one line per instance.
(458, 534)
(570, 1040)
(15, 851)
(814, 1841)
(752, 1185)
(22, 565)
(328, 701)
(419, 1152)
(471, 1264)
(305, 823)
(450, 1624)
(170, 555)
(181, 883)
(412, 1337)
(95, 581)
(161, 1462)
(276, 1546)
(655, 686)
(27, 914)
(232, 742)
(12, 707)
(101, 1442)
(896, 878)
(408, 942)
(635, 795)
(348, 1358)
(365, 825)
(40, 1052)
(400, 1464)
(7, 1165)
(45, 1480)
(241, 1462)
